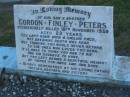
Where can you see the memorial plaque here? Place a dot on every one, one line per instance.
(70, 40)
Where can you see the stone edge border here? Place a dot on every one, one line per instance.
(120, 75)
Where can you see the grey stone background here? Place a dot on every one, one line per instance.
(16, 85)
